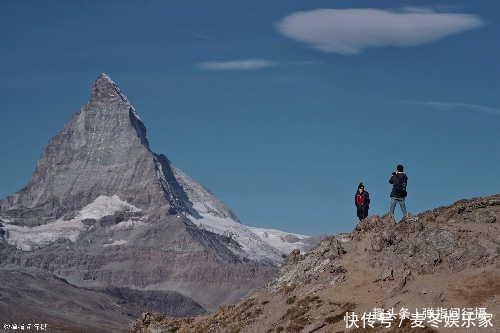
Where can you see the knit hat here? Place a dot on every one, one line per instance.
(400, 168)
(361, 186)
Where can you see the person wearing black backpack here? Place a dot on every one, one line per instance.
(362, 201)
(399, 180)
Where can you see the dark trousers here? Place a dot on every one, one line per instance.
(362, 212)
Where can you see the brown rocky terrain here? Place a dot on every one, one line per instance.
(447, 258)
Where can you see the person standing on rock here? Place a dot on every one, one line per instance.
(362, 201)
(399, 180)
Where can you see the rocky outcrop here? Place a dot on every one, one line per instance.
(440, 259)
(454, 238)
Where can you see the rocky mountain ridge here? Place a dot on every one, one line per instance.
(437, 263)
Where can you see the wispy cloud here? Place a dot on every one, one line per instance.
(236, 65)
(350, 31)
(459, 106)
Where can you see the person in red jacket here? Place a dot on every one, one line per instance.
(362, 201)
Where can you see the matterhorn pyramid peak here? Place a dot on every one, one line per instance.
(103, 151)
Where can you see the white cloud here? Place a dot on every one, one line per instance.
(350, 31)
(459, 106)
(240, 65)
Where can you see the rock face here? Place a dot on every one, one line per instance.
(444, 260)
(103, 212)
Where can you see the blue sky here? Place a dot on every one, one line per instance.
(280, 108)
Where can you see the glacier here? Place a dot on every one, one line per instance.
(255, 244)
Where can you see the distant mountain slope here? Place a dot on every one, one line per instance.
(442, 264)
(26, 294)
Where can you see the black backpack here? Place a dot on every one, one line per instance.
(400, 187)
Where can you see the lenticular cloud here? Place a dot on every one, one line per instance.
(243, 65)
(350, 31)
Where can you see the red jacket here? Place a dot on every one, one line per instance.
(362, 198)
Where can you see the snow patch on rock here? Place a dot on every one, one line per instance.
(284, 241)
(116, 242)
(130, 224)
(105, 206)
(28, 239)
